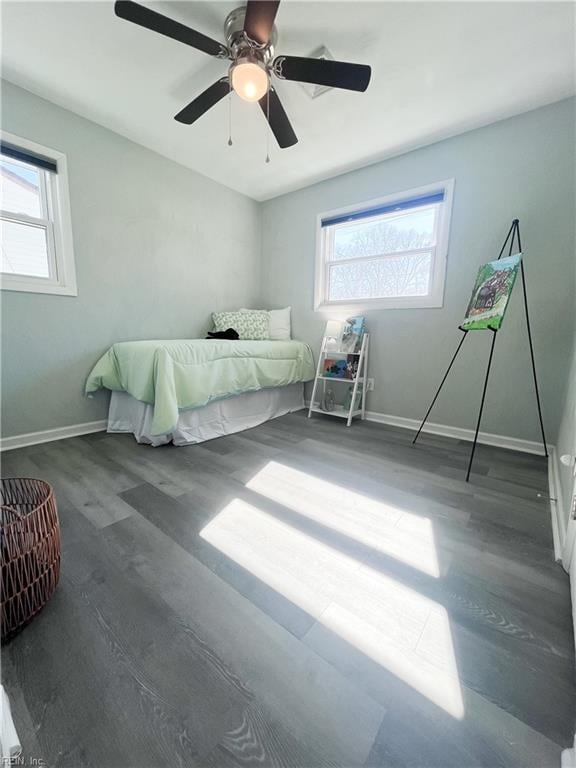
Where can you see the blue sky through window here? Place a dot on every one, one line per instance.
(27, 173)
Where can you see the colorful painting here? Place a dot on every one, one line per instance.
(491, 292)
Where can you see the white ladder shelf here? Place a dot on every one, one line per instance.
(359, 383)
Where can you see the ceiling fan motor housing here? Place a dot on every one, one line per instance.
(240, 45)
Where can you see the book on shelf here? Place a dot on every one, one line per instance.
(341, 367)
(345, 336)
(348, 400)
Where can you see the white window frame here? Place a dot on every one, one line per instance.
(57, 221)
(435, 297)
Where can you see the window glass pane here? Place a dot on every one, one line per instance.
(20, 188)
(389, 233)
(394, 276)
(24, 250)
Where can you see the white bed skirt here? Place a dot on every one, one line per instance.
(222, 417)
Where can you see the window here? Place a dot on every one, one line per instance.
(388, 253)
(35, 229)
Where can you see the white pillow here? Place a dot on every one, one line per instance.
(279, 328)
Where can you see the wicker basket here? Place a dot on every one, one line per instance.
(30, 546)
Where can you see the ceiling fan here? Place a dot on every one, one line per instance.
(250, 39)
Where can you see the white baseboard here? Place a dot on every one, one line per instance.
(48, 435)
(458, 433)
(556, 503)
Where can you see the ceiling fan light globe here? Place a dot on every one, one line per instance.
(250, 79)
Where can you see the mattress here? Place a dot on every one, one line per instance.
(172, 376)
(218, 418)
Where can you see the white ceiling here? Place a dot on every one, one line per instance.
(437, 69)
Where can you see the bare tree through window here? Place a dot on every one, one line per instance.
(378, 274)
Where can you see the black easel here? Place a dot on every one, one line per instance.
(513, 234)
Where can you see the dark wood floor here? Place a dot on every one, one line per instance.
(300, 594)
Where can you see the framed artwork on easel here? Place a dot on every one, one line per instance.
(491, 293)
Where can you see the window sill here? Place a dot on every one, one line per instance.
(424, 302)
(37, 286)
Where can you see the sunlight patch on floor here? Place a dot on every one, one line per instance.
(403, 535)
(400, 629)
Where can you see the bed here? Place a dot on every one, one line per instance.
(190, 390)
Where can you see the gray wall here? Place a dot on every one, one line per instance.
(522, 167)
(157, 248)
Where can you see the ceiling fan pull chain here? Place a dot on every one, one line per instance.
(268, 125)
(230, 117)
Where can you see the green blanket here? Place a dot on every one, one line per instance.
(176, 375)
